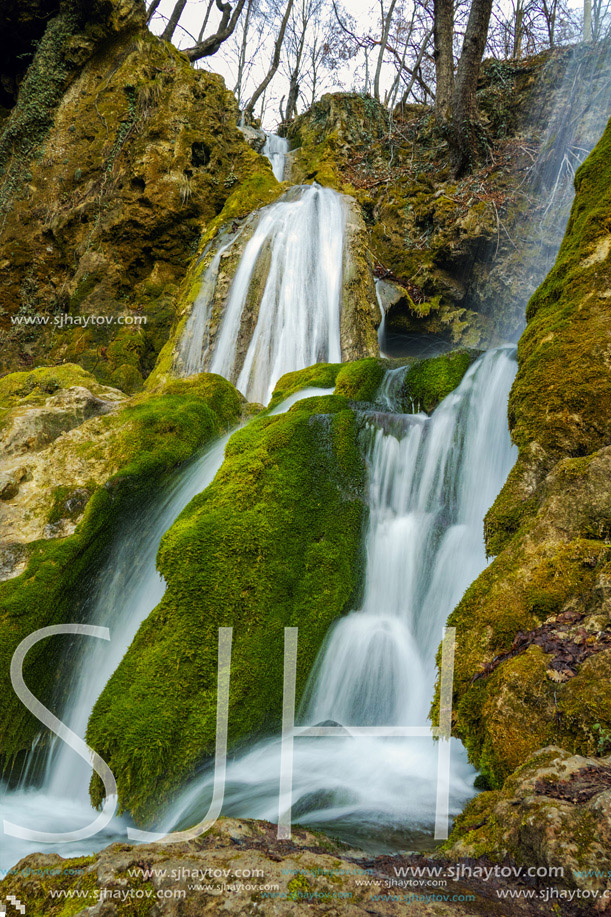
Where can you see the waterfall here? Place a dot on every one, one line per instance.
(276, 149)
(126, 591)
(429, 489)
(296, 255)
(194, 344)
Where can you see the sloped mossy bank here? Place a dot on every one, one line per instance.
(274, 542)
(534, 631)
(80, 477)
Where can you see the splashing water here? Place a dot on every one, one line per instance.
(429, 491)
(126, 592)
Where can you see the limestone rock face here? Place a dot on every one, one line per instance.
(535, 628)
(115, 157)
(554, 811)
(360, 316)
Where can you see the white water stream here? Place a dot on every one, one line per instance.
(125, 593)
(298, 248)
(276, 149)
(430, 483)
(430, 486)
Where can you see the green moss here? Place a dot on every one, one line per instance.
(428, 382)
(150, 437)
(274, 542)
(65, 888)
(562, 397)
(320, 375)
(359, 381)
(505, 716)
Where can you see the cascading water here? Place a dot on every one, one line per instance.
(127, 590)
(430, 486)
(297, 247)
(276, 149)
(298, 319)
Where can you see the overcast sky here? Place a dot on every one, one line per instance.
(349, 77)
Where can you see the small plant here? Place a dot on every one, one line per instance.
(603, 738)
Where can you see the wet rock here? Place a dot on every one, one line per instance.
(554, 811)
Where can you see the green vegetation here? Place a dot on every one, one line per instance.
(549, 526)
(430, 381)
(320, 375)
(274, 542)
(359, 381)
(144, 442)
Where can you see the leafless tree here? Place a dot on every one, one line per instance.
(274, 63)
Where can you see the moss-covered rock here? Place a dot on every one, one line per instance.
(116, 158)
(79, 478)
(275, 877)
(320, 375)
(554, 812)
(274, 542)
(534, 630)
(428, 382)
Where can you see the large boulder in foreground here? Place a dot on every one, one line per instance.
(240, 867)
(274, 542)
(554, 811)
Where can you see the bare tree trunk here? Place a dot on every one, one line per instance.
(229, 21)
(202, 31)
(517, 31)
(386, 24)
(587, 20)
(443, 35)
(242, 59)
(291, 105)
(275, 62)
(464, 124)
(173, 20)
(152, 10)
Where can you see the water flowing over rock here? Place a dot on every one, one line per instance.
(276, 149)
(429, 487)
(301, 294)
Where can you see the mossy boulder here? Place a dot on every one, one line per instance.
(553, 812)
(76, 483)
(428, 382)
(115, 159)
(275, 541)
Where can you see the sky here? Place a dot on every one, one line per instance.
(348, 77)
